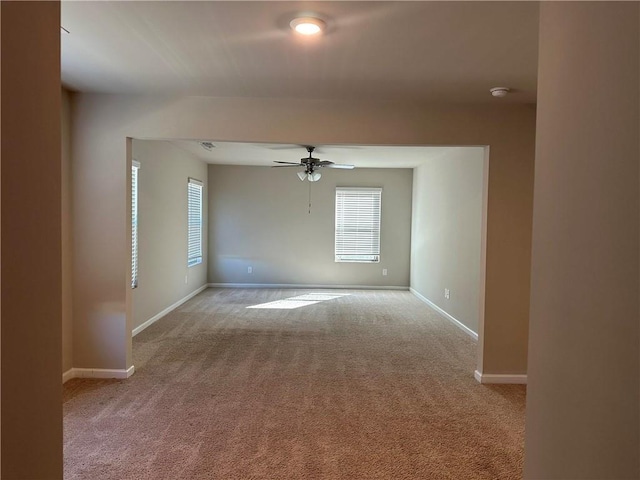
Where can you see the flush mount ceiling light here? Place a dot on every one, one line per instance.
(500, 91)
(308, 25)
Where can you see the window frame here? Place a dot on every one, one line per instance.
(194, 258)
(363, 255)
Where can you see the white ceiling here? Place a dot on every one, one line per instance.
(362, 156)
(406, 51)
(411, 51)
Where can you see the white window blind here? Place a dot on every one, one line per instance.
(135, 167)
(358, 224)
(194, 201)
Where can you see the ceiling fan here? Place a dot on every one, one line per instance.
(311, 164)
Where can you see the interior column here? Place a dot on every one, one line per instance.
(582, 399)
(31, 378)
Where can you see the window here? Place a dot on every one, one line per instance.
(135, 167)
(194, 201)
(358, 224)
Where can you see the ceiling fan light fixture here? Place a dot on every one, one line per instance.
(314, 176)
(302, 175)
(308, 25)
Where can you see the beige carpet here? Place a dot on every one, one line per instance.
(368, 385)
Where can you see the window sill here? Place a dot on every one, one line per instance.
(358, 260)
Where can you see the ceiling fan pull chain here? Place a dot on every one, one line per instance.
(309, 198)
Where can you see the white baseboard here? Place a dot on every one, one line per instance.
(454, 320)
(68, 375)
(500, 378)
(167, 310)
(97, 373)
(303, 286)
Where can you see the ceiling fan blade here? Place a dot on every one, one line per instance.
(287, 166)
(287, 163)
(342, 166)
(325, 163)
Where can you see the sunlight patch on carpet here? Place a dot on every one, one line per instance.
(300, 301)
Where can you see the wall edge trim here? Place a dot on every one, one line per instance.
(501, 378)
(68, 375)
(446, 315)
(167, 310)
(97, 373)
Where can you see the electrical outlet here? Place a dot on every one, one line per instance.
(384, 272)
(249, 269)
(447, 293)
(186, 279)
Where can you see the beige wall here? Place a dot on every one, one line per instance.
(162, 234)
(259, 217)
(582, 400)
(446, 232)
(67, 243)
(31, 387)
(102, 123)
